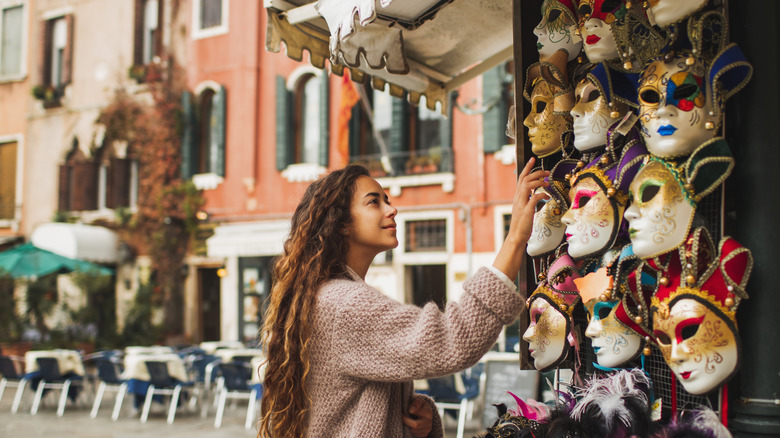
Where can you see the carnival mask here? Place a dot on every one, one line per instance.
(660, 215)
(548, 230)
(545, 126)
(596, 31)
(666, 12)
(546, 334)
(557, 29)
(592, 117)
(593, 220)
(613, 343)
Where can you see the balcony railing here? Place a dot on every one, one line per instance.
(428, 161)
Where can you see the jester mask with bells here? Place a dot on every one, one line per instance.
(596, 18)
(558, 30)
(548, 231)
(551, 95)
(602, 97)
(682, 98)
(598, 197)
(550, 307)
(613, 343)
(635, 284)
(694, 310)
(664, 197)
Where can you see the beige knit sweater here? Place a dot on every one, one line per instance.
(366, 349)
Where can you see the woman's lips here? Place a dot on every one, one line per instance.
(592, 39)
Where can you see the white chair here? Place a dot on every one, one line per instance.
(109, 380)
(51, 378)
(161, 383)
(11, 378)
(234, 384)
(447, 397)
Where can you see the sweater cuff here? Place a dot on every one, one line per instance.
(509, 283)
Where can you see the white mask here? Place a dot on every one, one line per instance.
(591, 116)
(546, 334)
(613, 343)
(666, 12)
(592, 221)
(556, 31)
(548, 230)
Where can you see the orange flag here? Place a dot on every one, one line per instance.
(349, 97)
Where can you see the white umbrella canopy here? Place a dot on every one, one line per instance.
(426, 47)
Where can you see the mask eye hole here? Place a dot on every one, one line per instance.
(583, 200)
(649, 192)
(689, 331)
(610, 5)
(685, 91)
(540, 106)
(540, 205)
(663, 338)
(650, 97)
(585, 10)
(554, 15)
(593, 95)
(603, 312)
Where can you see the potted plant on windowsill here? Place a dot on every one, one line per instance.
(48, 94)
(137, 72)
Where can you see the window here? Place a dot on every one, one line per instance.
(57, 52)
(416, 139)
(148, 41)
(210, 18)
(425, 235)
(203, 141)
(497, 98)
(302, 120)
(78, 182)
(117, 180)
(428, 283)
(11, 35)
(8, 180)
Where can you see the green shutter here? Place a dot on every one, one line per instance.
(445, 126)
(283, 137)
(188, 136)
(399, 132)
(324, 119)
(494, 120)
(217, 132)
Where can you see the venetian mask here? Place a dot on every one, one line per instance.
(613, 343)
(676, 114)
(545, 126)
(598, 15)
(593, 220)
(666, 12)
(557, 29)
(660, 214)
(548, 230)
(592, 117)
(546, 334)
(697, 345)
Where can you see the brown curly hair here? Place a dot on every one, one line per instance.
(314, 252)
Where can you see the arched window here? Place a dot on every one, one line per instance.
(306, 120)
(203, 137)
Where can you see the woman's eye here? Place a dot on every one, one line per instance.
(663, 338)
(650, 97)
(685, 91)
(554, 14)
(540, 106)
(689, 331)
(649, 192)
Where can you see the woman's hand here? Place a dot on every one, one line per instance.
(510, 255)
(422, 422)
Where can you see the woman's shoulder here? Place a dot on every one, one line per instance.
(349, 295)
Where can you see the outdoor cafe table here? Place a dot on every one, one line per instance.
(153, 349)
(229, 354)
(137, 375)
(211, 346)
(69, 361)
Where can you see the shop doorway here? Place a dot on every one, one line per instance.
(427, 283)
(209, 285)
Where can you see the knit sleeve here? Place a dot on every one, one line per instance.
(379, 339)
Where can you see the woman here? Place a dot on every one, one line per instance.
(341, 355)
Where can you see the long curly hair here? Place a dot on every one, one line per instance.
(314, 252)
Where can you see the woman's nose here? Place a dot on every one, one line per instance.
(392, 211)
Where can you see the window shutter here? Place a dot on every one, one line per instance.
(283, 118)
(324, 119)
(494, 120)
(44, 64)
(138, 29)
(445, 126)
(158, 33)
(399, 133)
(188, 136)
(84, 187)
(217, 131)
(118, 184)
(67, 53)
(63, 201)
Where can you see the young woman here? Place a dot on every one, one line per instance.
(342, 356)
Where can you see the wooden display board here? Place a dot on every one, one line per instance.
(502, 375)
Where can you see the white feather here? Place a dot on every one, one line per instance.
(610, 393)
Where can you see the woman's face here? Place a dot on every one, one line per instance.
(548, 230)
(546, 335)
(697, 344)
(590, 222)
(666, 12)
(591, 116)
(556, 31)
(659, 216)
(544, 127)
(373, 228)
(674, 109)
(613, 343)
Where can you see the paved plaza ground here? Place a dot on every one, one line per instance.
(77, 423)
